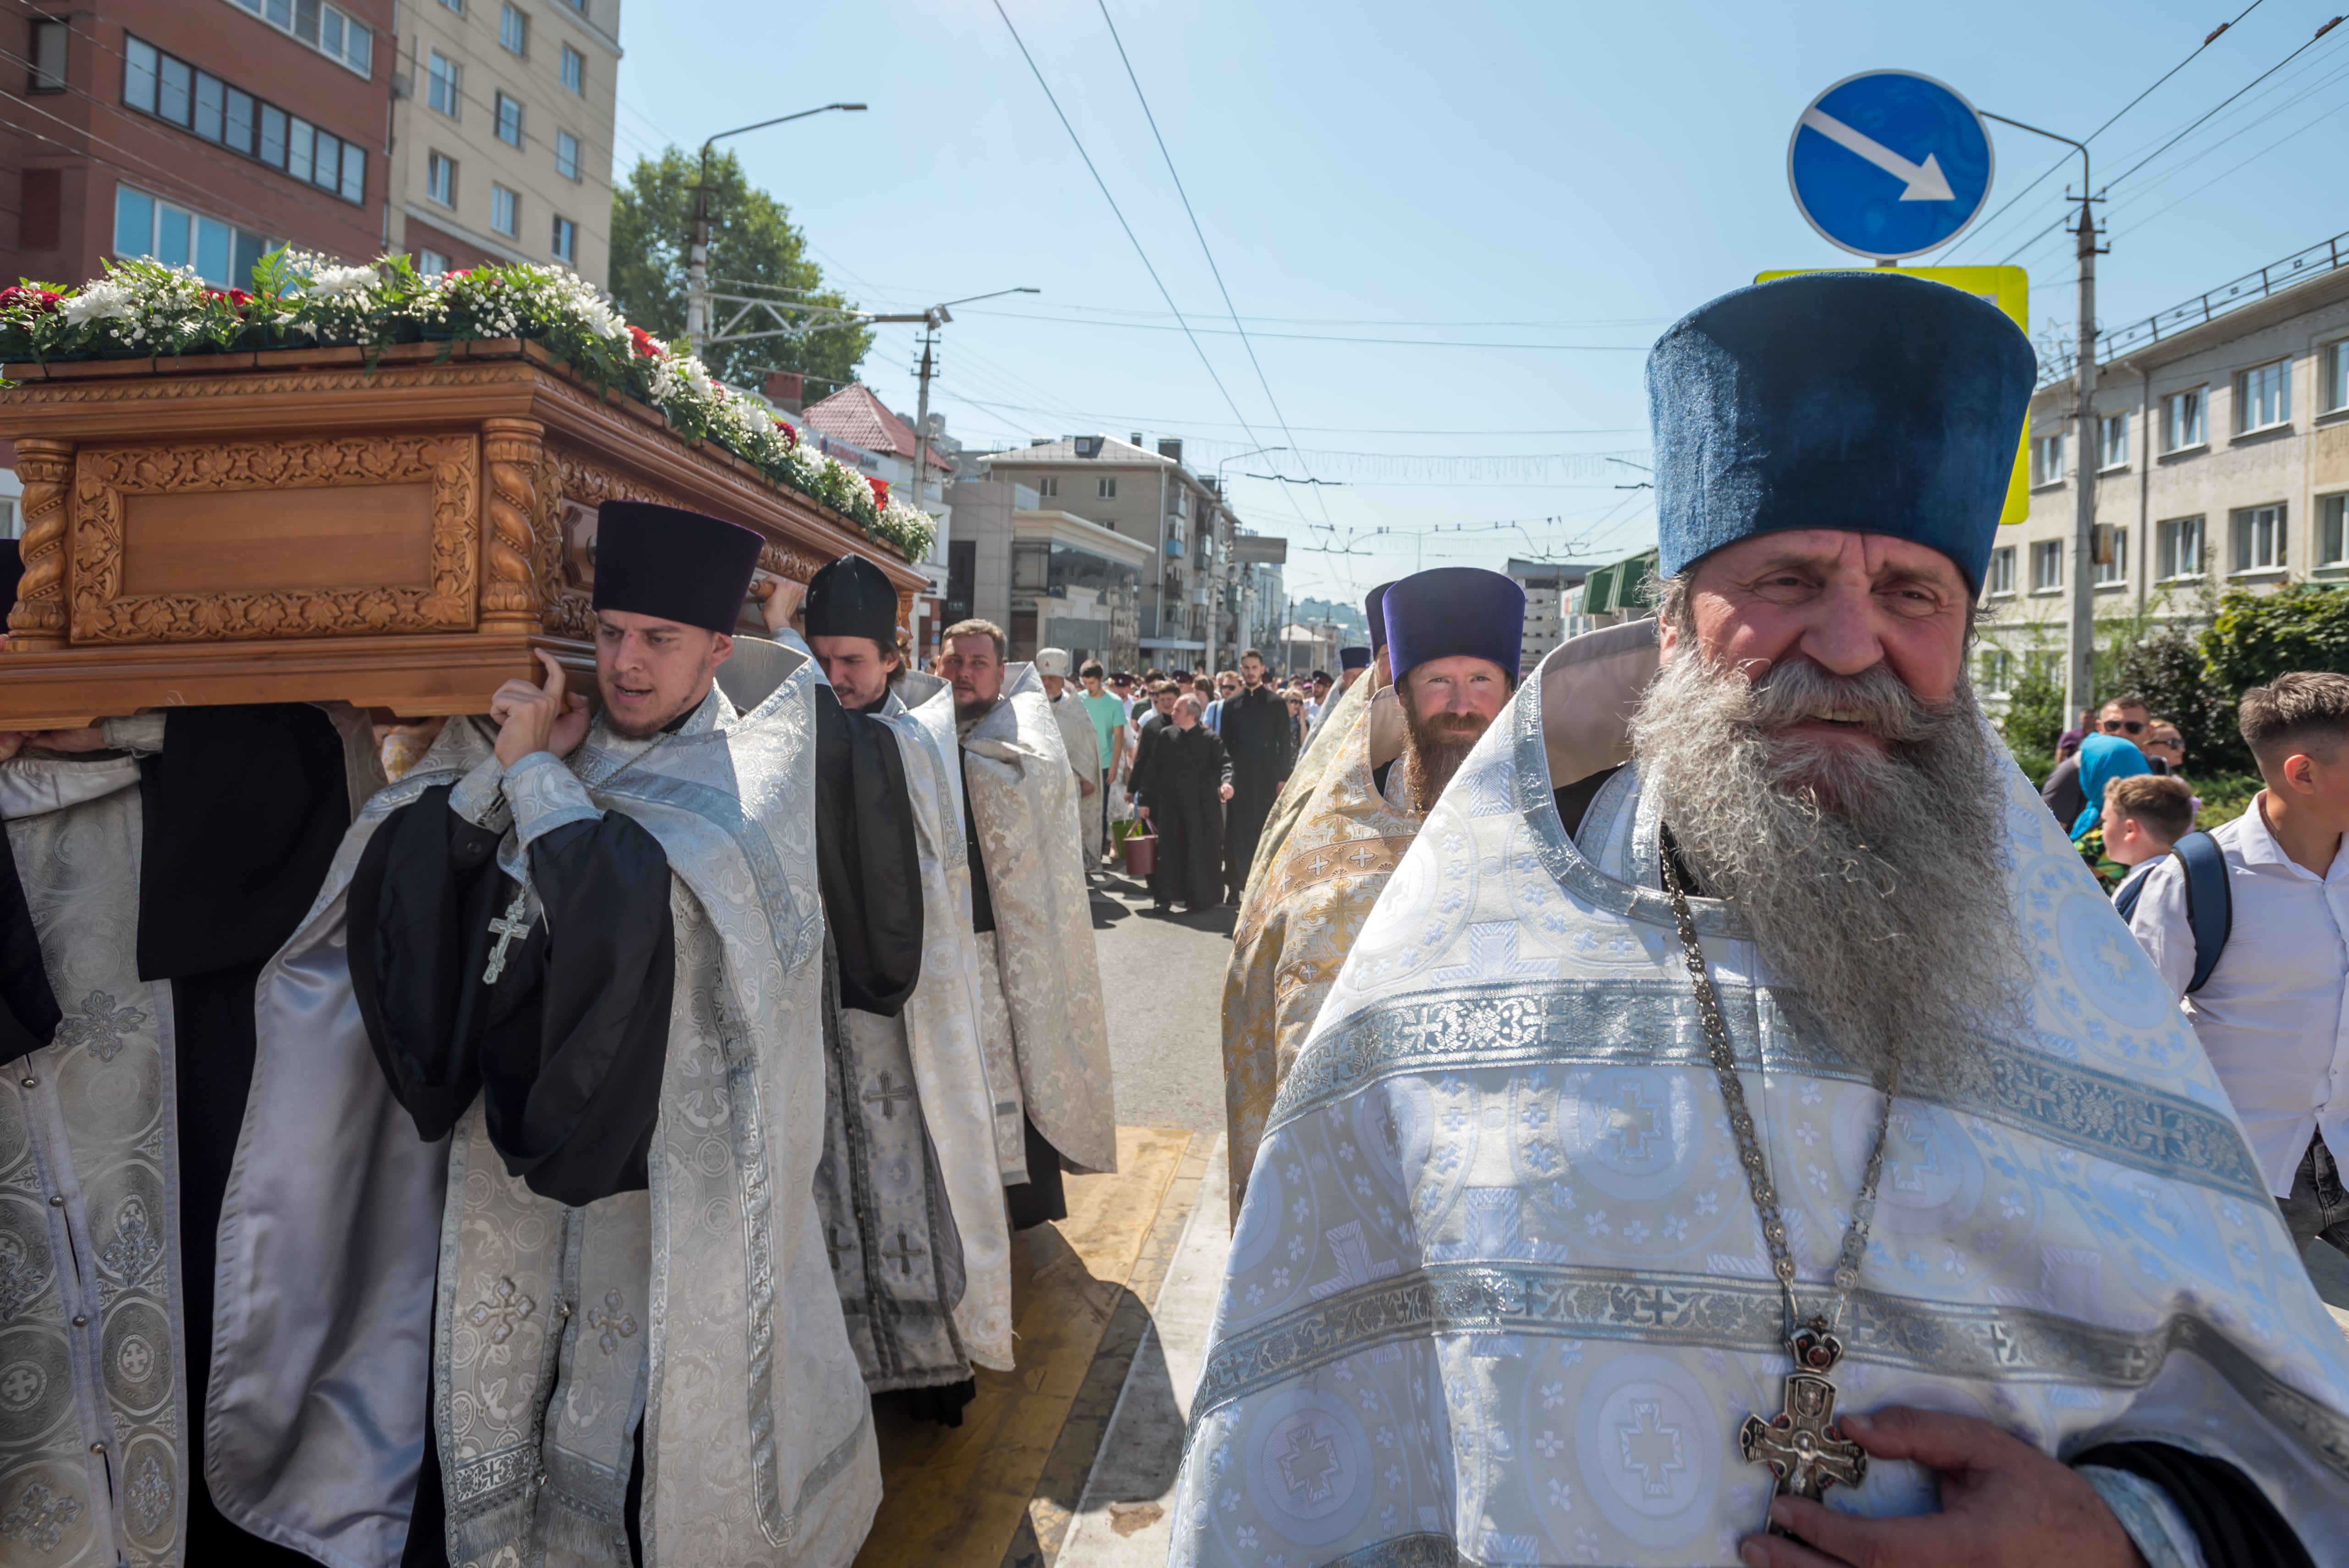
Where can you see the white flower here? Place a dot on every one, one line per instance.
(600, 318)
(330, 281)
(108, 299)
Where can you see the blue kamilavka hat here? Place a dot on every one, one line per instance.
(1858, 400)
(1455, 612)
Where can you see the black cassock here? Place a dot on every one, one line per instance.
(240, 816)
(1179, 776)
(1262, 739)
(566, 1049)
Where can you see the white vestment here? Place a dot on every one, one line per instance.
(1498, 1287)
(1046, 1035)
(704, 1307)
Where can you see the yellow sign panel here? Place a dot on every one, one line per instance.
(2009, 288)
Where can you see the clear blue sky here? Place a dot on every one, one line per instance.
(1527, 193)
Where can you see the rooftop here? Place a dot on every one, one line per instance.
(1082, 449)
(855, 415)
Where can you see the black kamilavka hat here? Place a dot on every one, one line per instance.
(853, 598)
(673, 564)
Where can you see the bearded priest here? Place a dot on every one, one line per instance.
(585, 1286)
(1785, 1114)
(1042, 1026)
(1456, 634)
(907, 1192)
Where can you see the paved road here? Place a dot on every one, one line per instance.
(1162, 982)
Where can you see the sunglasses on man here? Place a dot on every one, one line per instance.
(2116, 726)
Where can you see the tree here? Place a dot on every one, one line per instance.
(752, 242)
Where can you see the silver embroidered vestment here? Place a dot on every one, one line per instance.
(1498, 1287)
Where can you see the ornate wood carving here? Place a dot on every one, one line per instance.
(575, 482)
(511, 597)
(102, 613)
(785, 560)
(36, 623)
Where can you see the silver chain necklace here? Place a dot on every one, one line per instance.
(1805, 1451)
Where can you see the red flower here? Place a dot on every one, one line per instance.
(880, 490)
(791, 434)
(648, 345)
(15, 296)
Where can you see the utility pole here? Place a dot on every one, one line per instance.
(697, 244)
(2080, 641)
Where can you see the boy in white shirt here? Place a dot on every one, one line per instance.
(2271, 1014)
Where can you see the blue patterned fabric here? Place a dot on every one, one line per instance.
(1858, 400)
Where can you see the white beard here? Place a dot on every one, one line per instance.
(1870, 879)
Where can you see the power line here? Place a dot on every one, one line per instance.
(1323, 337)
(1135, 239)
(2222, 103)
(2058, 165)
(1201, 236)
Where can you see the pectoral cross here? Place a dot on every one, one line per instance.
(509, 928)
(1801, 1446)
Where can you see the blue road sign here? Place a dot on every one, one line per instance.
(1888, 164)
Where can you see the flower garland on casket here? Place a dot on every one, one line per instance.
(298, 299)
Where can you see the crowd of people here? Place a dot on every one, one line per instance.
(1688, 1102)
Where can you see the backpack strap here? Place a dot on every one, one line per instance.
(2124, 897)
(2210, 902)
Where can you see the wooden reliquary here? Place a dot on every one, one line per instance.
(296, 525)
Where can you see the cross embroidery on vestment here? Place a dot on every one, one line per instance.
(889, 1095)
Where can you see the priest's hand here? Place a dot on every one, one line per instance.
(2003, 1502)
(1224, 793)
(539, 717)
(12, 741)
(70, 741)
(780, 601)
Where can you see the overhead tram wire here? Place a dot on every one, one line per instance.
(2057, 166)
(1133, 238)
(1204, 248)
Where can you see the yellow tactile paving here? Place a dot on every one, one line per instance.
(957, 1495)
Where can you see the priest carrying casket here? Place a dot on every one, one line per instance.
(587, 960)
(908, 1192)
(1742, 1095)
(1041, 1020)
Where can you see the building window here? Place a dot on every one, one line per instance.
(505, 211)
(2259, 539)
(513, 31)
(334, 33)
(1997, 671)
(456, 5)
(444, 84)
(566, 155)
(1048, 487)
(2047, 566)
(2263, 397)
(2110, 554)
(2048, 459)
(565, 244)
(2177, 547)
(171, 89)
(575, 70)
(431, 264)
(2336, 376)
(2333, 531)
(1105, 489)
(2002, 571)
(509, 120)
(440, 179)
(49, 59)
(2182, 420)
(2114, 430)
(147, 225)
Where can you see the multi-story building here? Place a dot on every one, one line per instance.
(1186, 606)
(501, 132)
(1550, 616)
(2222, 462)
(1050, 578)
(201, 133)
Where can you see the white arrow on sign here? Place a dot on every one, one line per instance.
(1925, 181)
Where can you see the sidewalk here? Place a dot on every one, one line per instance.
(1001, 1491)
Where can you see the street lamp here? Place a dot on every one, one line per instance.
(930, 320)
(697, 256)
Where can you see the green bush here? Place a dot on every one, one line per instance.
(2034, 719)
(2256, 637)
(2168, 669)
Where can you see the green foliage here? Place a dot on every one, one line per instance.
(751, 240)
(2168, 669)
(2256, 637)
(2034, 717)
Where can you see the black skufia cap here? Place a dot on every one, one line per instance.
(853, 598)
(673, 564)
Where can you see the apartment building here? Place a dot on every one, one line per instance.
(201, 133)
(2222, 461)
(502, 133)
(1150, 498)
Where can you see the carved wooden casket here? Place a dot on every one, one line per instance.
(295, 526)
